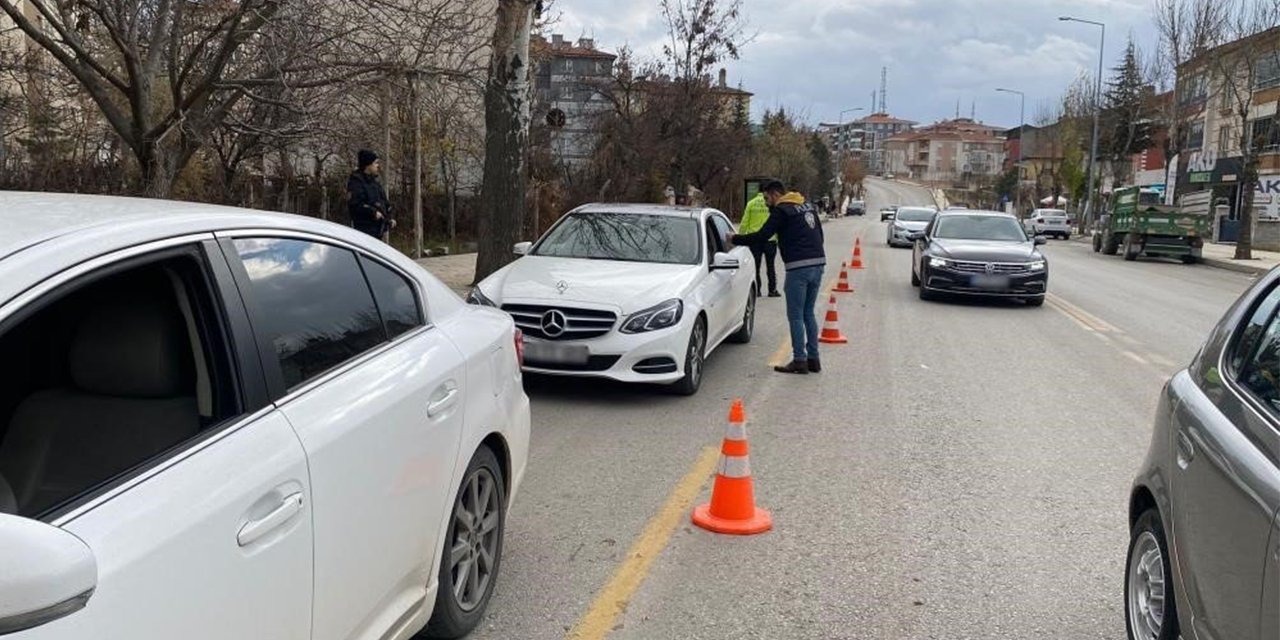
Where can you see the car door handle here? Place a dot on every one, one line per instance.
(254, 530)
(446, 396)
(1186, 450)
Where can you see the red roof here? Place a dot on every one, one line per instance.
(883, 118)
(570, 50)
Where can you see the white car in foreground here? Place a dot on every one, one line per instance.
(218, 423)
(635, 293)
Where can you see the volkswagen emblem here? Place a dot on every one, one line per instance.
(554, 323)
(991, 268)
(561, 286)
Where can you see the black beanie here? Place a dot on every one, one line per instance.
(365, 158)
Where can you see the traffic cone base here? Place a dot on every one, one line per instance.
(760, 522)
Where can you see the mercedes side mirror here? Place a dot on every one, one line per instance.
(724, 262)
(1041, 240)
(915, 236)
(46, 573)
(522, 248)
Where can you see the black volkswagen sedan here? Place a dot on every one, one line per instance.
(980, 253)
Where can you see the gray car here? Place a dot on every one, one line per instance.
(906, 221)
(1204, 553)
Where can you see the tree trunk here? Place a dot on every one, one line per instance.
(1248, 183)
(416, 110)
(506, 116)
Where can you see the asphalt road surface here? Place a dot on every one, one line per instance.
(959, 470)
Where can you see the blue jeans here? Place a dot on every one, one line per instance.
(802, 288)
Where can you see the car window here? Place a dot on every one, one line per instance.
(1255, 328)
(979, 227)
(395, 298)
(629, 237)
(1261, 371)
(723, 229)
(312, 304)
(123, 367)
(714, 243)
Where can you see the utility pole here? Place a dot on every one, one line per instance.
(1091, 203)
(1022, 141)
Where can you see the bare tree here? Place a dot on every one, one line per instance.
(1247, 64)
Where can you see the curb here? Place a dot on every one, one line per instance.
(1238, 267)
(1217, 263)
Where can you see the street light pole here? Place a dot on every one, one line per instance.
(1022, 141)
(1097, 110)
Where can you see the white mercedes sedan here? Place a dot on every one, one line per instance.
(218, 423)
(630, 292)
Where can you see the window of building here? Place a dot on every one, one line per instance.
(1195, 135)
(1267, 71)
(1265, 134)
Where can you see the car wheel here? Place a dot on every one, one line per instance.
(1037, 301)
(1131, 249)
(472, 552)
(694, 359)
(1150, 610)
(1189, 260)
(1066, 236)
(743, 335)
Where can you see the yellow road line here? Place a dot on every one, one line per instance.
(1092, 321)
(613, 598)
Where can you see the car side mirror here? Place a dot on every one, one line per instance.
(1041, 240)
(724, 262)
(522, 248)
(892, 216)
(48, 573)
(916, 236)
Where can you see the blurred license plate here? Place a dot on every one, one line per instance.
(552, 353)
(991, 282)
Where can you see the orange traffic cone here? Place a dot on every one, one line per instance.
(857, 254)
(842, 285)
(733, 502)
(831, 328)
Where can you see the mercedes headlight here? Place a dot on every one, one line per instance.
(661, 316)
(938, 262)
(1035, 266)
(478, 298)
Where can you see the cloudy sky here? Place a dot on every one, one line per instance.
(818, 57)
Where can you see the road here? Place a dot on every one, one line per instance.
(959, 470)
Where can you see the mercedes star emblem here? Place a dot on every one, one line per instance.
(554, 323)
(561, 286)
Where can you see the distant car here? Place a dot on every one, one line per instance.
(908, 220)
(1048, 222)
(887, 213)
(629, 292)
(275, 426)
(856, 208)
(978, 253)
(1204, 547)
(889, 176)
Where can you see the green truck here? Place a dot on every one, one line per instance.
(1141, 225)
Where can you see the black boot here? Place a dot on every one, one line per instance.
(795, 366)
(815, 365)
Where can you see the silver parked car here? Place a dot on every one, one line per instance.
(906, 221)
(1204, 553)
